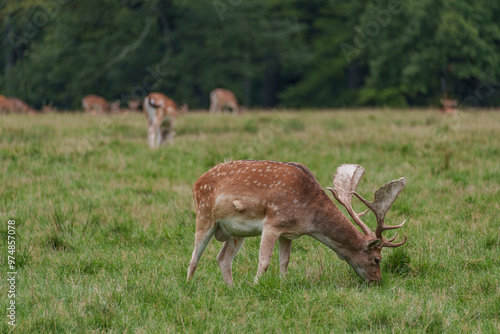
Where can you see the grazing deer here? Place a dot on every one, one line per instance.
(21, 106)
(134, 105)
(223, 99)
(449, 106)
(14, 104)
(282, 201)
(162, 114)
(48, 108)
(95, 104)
(5, 105)
(183, 109)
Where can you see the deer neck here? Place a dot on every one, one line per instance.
(335, 230)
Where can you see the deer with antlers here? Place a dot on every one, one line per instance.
(283, 201)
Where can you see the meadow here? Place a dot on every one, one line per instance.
(105, 225)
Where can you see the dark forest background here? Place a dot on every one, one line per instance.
(287, 53)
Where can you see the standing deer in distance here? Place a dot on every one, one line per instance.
(95, 104)
(283, 201)
(223, 99)
(162, 113)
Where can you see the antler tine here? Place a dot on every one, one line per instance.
(393, 238)
(361, 214)
(384, 227)
(388, 243)
(345, 182)
(384, 198)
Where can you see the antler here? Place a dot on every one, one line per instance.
(346, 181)
(384, 198)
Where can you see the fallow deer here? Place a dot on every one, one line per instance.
(449, 106)
(134, 104)
(223, 99)
(48, 108)
(282, 201)
(162, 114)
(95, 104)
(14, 104)
(184, 108)
(6, 105)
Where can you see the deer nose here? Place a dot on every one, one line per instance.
(374, 281)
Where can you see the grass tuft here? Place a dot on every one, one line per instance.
(398, 262)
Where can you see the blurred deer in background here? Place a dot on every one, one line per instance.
(282, 201)
(48, 108)
(16, 105)
(223, 99)
(162, 113)
(6, 106)
(449, 106)
(95, 104)
(183, 109)
(134, 104)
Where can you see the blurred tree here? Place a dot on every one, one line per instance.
(293, 53)
(87, 47)
(329, 78)
(431, 41)
(238, 45)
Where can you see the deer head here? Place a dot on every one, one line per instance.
(345, 183)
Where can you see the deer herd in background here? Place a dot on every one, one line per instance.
(161, 111)
(16, 105)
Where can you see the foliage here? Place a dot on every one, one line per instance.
(292, 53)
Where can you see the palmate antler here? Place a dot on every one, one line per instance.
(345, 183)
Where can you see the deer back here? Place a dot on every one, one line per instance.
(286, 191)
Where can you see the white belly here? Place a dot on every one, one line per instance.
(240, 227)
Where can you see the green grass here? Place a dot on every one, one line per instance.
(105, 226)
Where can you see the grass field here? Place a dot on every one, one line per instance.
(105, 226)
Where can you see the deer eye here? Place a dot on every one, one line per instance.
(377, 261)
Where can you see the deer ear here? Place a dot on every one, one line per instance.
(373, 243)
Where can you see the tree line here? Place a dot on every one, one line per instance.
(286, 53)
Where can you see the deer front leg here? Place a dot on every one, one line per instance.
(267, 243)
(226, 256)
(205, 230)
(151, 135)
(159, 137)
(285, 248)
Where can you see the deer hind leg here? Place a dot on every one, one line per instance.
(168, 132)
(285, 248)
(205, 230)
(267, 243)
(234, 108)
(226, 256)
